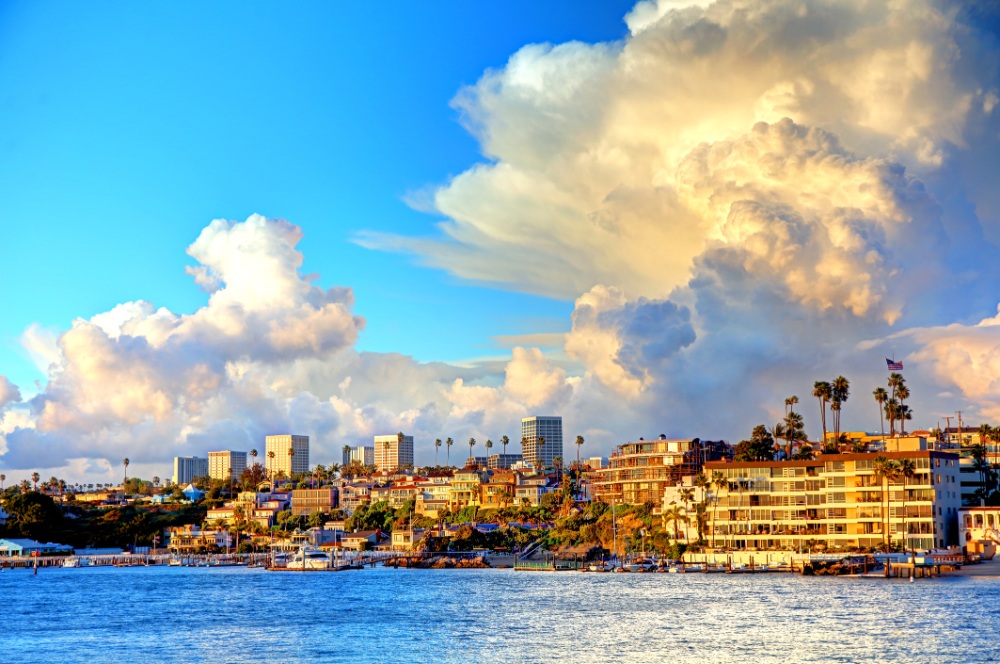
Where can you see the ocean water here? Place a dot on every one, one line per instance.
(177, 614)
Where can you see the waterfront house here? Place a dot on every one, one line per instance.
(27, 547)
(403, 540)
(979, 530)
(363, 540)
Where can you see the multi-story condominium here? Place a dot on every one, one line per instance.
(186, 469)
(595, 463)
(361, 455)
(307, 501)
(477, 462)
(838, 501)
(465, 489)
(503, 461)
(290, 455)
(541, 440)
(226, 465)
(393, 452)
(640, 471)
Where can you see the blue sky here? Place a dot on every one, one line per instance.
(126, 129)
(674, 214)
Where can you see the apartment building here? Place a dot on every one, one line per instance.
(187, 468)
(226, 465)
(541, 440)
(837, 501)
(286, 454)
(639, 472)
(393, 452)
(360, 455)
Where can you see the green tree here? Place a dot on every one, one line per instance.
(881, 396)
(437, 446)
(906, 470)
(760, 447)
(884, 470)
(448, 443)
(472, 443)
(676, 515)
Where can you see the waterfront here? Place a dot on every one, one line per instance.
(248, 615)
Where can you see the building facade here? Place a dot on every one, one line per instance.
(836, 502)
(361, 455)
(541, 440)
(640, 471)
(226, 465)
(290, 455)
(503, 461)
(186, 469)
(393, 452)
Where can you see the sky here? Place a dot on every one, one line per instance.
(225, 221)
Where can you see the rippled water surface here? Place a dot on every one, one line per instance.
(174, 614)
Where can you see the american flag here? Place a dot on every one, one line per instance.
(893, 365)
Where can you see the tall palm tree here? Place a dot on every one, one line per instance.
(385, 454)
(778, 432)
(2, 478)
(291, 458)
(841, 390)
(903, 393)
(437, 446)
(895, 382)
(884, 470)
(270, 458)
(557, 464)
(540, 442)
(881, 396)
(34, 478)
(906, 469)
(686, 495)
(472, 442)
(995, 437)
(719, 480)
(125, 481)
(790, 403)
(489, 446)
(579, 444)
(504, 440)
(822, 391)
(448, 443)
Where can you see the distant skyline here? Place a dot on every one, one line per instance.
(222, 222)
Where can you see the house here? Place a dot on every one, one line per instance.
(363, 540)
(403, 540)
(10, 548)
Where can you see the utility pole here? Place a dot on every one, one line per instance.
(960, 442)
(947, 421)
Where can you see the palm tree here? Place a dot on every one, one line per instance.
(448, 443)
(790, 403)
(676, 515)
(2, 478)
(504, 440)
(291, 457)
(540, 443)
(884, 469)
(489, 446)
(437, 446)
(995, 437)
(472, 442)
(881, 396)
(903, 393)
(579, 444)
(34, 478)
(778, 432)
(895, 382)
(270, 457)
(840, 391)
(822, 391)
(905, 469)
(385, 454)
(125, 463)
(794, 428)
(557, 464)
(686, 495)
(719, 480)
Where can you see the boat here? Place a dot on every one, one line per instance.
(175, 562)
(72, 561)
(309, 557)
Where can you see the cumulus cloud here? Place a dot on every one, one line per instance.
(740, 197)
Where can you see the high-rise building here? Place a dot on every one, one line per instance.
(361, 455)
(393, 451)
(186, 469)
(291, 454)
(541, 440)
(226, 465)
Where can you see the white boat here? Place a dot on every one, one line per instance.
(309, 557)
(72, 561)
(175, 562)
